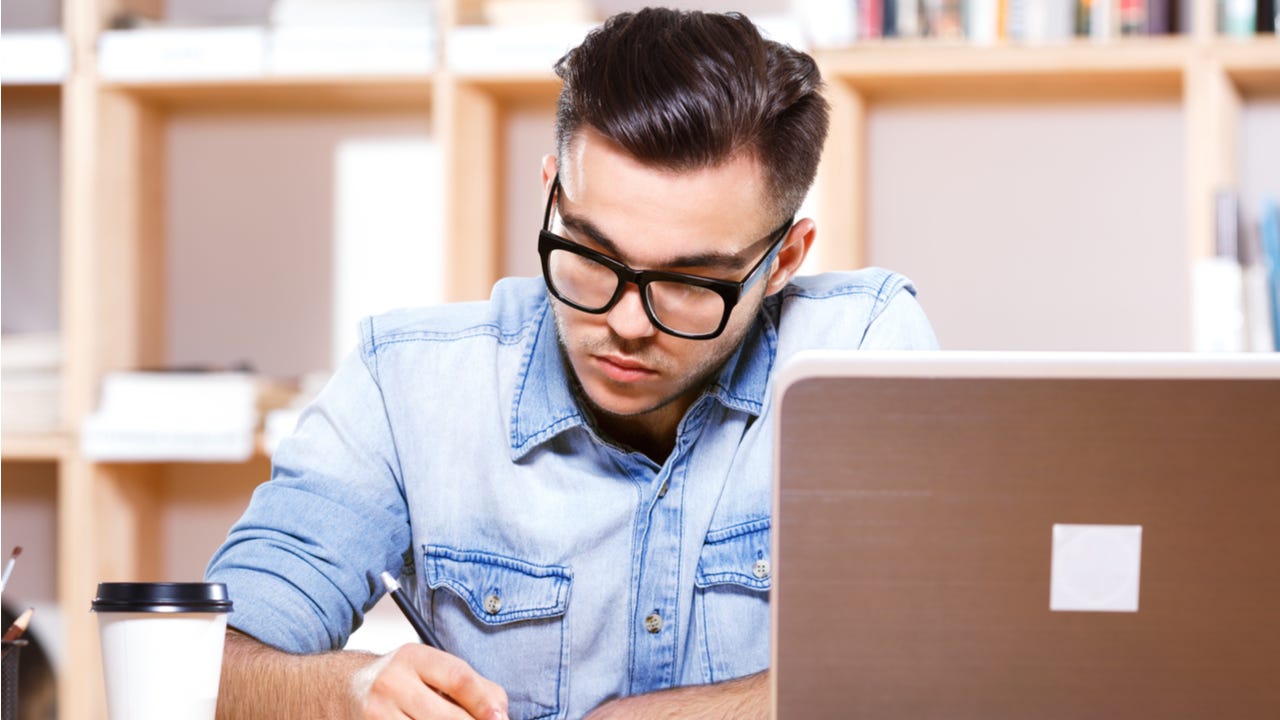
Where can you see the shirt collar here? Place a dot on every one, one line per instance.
(545, 406)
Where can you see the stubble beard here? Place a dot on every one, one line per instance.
(605, 342)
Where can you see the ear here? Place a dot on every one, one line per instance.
(794, 250)
(548, 172)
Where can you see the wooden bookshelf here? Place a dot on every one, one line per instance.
(1067, 72)
(114, 240)
(371, 93)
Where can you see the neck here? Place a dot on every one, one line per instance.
(653, 433)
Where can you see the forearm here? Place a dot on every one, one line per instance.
(259, 681)
(742, 699)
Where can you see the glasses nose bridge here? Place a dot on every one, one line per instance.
(628, 277)
(638, 319)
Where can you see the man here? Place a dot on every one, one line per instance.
(572, 478)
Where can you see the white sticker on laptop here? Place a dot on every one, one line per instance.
(1095, 568)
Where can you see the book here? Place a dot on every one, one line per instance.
(827, 24)
(351, 50)
(481, 49)
(907, 16)
(33, 57)
(1269, 237)
(942, 19)
(1160, 17)
(1218, 284)
(870, 19)
(180, 53)
(30, 382)
(1265, 23)
(537, 12)
(1259, 323)
(173, 416)
(1237, 18)
(353, 13)
(1133, 17)
(982, 23)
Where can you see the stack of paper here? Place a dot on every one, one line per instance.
(182, 53)
(33, 57)
(157, 416)
(30, 383)
(311, 37)
(481, 49)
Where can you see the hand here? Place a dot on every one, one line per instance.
(421, 682)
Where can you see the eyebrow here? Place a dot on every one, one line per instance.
(708, 259)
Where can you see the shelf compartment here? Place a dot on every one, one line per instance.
(1253, 65)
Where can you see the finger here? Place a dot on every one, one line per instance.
(427, 704)
(398, 692)
(480, 697)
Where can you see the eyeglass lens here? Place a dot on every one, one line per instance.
(677, 306)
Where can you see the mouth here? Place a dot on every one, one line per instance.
(621, 369)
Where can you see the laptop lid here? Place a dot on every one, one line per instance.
(1026, 535)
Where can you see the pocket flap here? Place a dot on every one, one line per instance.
(737, 555)
(499, 589)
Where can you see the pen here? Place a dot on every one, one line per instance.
(8, 568)
(19, 626)
(410, 612)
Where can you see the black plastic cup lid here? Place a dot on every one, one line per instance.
(162, 597)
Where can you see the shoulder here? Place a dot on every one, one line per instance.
(876, 284)
(514, 307)
(868, 308)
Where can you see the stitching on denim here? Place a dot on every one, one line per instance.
(706, 636)
(855, 288)
(751, 404)
(519, 441)
(734, 534)
(487, 330)
(881, 303)
(438, 576)
(637, 557)
(554, 710)
(432, 561)
(684, 484)
(500, 560)
(526, 359)
(557, 426)
(728, 533)
(375, 374)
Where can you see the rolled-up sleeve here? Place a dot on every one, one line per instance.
(302, 564)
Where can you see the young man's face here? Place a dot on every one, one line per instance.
(715, 223)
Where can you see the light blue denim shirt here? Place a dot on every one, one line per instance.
(450, 449)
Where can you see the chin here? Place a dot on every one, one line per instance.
(613, 403)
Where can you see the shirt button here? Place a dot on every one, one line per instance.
(662, 491)
(761, 569)
(493, 604)
(653, 623)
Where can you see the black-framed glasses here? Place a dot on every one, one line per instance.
(687, 306)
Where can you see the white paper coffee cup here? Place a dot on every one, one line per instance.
(162, 648)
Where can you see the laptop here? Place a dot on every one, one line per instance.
(1026, 535)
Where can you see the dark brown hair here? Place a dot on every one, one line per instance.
(684, 90)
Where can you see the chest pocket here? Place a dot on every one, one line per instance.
(731, 600)
(506, 618)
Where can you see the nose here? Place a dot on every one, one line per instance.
(627, 318)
